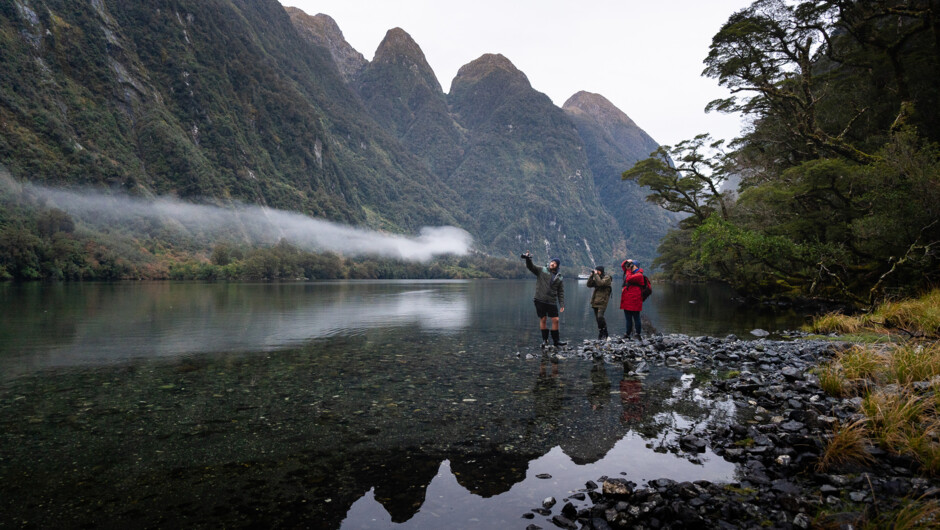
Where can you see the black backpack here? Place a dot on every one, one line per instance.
(646, 289)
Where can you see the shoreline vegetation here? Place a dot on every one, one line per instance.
(893, 371)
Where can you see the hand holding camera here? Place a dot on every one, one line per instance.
(527, 255)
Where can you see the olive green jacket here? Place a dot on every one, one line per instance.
(547, 288)
(602, 290)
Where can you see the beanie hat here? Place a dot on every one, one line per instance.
(556, 260)
(600, 268)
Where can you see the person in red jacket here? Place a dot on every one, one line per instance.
(631, 300)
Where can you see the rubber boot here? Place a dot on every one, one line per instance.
(544, 338)
(556, 340)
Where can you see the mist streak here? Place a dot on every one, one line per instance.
(251, 224)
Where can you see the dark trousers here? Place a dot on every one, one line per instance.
(599, 316)
(633, 317)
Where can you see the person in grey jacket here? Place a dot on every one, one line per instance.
(549, 287)
(601, 283)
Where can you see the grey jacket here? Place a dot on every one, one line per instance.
(602, 289)
(547, 288)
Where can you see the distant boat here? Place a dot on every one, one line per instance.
(583, 276)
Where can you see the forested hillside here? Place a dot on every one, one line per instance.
(231, 101)
(840, 169)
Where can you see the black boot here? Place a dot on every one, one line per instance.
(556, 340)
(544, 338)
(604, 335)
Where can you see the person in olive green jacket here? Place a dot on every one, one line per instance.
(601, 283)
(549, 287)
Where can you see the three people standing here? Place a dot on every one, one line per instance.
(550, 297)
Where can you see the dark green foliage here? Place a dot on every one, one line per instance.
(840, 170)
(200, 99)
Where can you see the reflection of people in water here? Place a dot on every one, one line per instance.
(549, 394)
(631, 398)
(599, 394)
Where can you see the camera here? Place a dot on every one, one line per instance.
(526, 256)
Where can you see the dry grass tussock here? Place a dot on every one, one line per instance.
(899, 384)
(846, 444)
(918, 317)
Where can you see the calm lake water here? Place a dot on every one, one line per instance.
(398, 404)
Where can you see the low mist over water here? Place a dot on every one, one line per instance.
(255, 225)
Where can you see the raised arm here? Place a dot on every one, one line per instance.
(531, 266)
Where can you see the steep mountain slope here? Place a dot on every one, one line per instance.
(321, 30)
(217, 99)
(614, 143)
(525, 177)
(404, 95)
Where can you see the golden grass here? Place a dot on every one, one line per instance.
(835, 323)
(892, 416)
(918, 316)
(915, 515)
(913, 362)
(831, 379)
(901, 415)
(861, 363)
(847, 444)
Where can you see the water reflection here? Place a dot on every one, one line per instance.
(385, 404)
(115, 322)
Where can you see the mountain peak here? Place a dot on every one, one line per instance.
(598, 107)
(323, 31)
(398, 43)
(487, 64)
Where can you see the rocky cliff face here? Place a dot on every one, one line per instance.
(321, 30)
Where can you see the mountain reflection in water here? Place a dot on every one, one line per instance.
(356, 405)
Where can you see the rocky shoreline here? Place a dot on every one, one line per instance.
(777, 450)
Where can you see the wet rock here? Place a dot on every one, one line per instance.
(569, 511)
(563, 522)
(692, 443)
(548, 502)
(792, 426)
(617, 488)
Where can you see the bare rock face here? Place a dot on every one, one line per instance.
(322, 30)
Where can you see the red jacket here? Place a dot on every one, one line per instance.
(630, 297)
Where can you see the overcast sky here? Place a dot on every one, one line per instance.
(645, 56)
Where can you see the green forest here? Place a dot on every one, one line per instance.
(839, 167)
